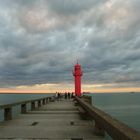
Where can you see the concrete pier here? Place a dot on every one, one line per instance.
(59, 120)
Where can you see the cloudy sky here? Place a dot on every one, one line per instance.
(41, 40)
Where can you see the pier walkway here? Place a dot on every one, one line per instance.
(58, 120)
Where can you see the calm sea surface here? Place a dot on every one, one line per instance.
(123, 106)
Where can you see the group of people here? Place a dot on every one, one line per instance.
(66, 95)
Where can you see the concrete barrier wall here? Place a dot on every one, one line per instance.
(104, 122)
(8, 107)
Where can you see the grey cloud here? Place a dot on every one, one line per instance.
(36, 53)
(70, 7)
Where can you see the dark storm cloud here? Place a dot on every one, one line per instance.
(40, 40)
(70, 7)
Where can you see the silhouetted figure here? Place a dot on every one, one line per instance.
(65, 95)
(72, 96)
(58, 96)
(68, 95)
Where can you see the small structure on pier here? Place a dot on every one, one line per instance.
(77, 74)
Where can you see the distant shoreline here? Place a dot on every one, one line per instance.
(26, 93)
(83, 93)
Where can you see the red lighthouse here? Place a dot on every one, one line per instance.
(77, 74)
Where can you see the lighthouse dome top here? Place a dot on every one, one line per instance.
(77, 65)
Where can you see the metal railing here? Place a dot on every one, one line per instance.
(104, 122)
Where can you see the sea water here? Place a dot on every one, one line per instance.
(125, 107)
(122, 106)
